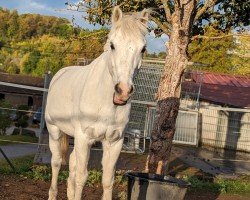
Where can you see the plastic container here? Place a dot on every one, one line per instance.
(144, 186)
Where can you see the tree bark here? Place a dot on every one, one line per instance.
(168, 95)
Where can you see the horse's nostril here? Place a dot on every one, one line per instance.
(131, 90)
(118, 89)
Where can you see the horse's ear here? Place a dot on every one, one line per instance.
(145, 16)
(116, 15)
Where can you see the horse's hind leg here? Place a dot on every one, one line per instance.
(56, 159)
(111, 153)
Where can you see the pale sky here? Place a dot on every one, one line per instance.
(58, 8)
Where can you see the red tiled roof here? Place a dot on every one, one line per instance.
(221, 88)
(221, 79)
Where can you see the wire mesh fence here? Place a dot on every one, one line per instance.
(226, 128)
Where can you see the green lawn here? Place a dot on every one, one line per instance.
(22, 165)
(21, 138)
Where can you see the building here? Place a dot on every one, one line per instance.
(219, 89)
(223, 107)
(19, 96)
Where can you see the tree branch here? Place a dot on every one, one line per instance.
(177, 4)
(167, 10)
(218, 37)
(162, 26)
(208, 4)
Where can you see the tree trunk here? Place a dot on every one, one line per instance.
(168, 97)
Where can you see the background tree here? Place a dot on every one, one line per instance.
(215, 55)
(180, 20)
(242, 51)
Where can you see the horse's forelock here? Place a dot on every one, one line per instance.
(131, 25)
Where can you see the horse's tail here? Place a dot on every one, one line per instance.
(64, 148)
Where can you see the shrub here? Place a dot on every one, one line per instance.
(22, 118)
(5, 117)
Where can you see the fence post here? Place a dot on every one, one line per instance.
(42, 136)
(47, 79)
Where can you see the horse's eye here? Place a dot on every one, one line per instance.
(143, 49)
(112, 46)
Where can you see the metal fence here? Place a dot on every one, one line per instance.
(226, 128)
(143, 109)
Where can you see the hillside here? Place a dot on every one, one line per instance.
(33, 44)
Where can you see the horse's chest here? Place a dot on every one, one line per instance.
(103, 122)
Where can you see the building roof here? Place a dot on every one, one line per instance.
(220, 88)
(22, 80)
(221, 79)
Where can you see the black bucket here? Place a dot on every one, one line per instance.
(144, 186)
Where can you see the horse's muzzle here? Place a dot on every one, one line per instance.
(119, 102)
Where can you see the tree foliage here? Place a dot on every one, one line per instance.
(220, 52)
(227, 13)
(34, 44)
(213, 54)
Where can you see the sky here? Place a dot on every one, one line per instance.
(58, 8)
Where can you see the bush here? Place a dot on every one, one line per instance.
(22, 118)
(5, 117)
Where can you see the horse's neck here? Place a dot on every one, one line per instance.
(100, 76)
(102, 66)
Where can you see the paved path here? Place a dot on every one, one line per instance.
(18, 150)
(215, 162)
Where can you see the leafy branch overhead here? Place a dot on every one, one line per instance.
(228, 14)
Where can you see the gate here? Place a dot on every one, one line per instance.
(186, 126)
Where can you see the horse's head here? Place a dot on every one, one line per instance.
(126, 45)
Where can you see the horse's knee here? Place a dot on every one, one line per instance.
(81, 179)
(107, 185)
(56, 162)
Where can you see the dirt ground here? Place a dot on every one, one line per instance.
(13, 187)
(18, 188)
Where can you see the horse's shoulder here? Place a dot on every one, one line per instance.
(64, 71)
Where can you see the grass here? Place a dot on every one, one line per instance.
(25, 168)
(21, 138)
(21, 164)
(241, 185)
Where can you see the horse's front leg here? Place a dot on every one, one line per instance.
(111, 153)
(56, 159)
(82, 151)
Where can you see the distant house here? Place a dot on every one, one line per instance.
(18, 96)
(221, 89)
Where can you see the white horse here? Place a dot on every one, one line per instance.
(91, 103)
